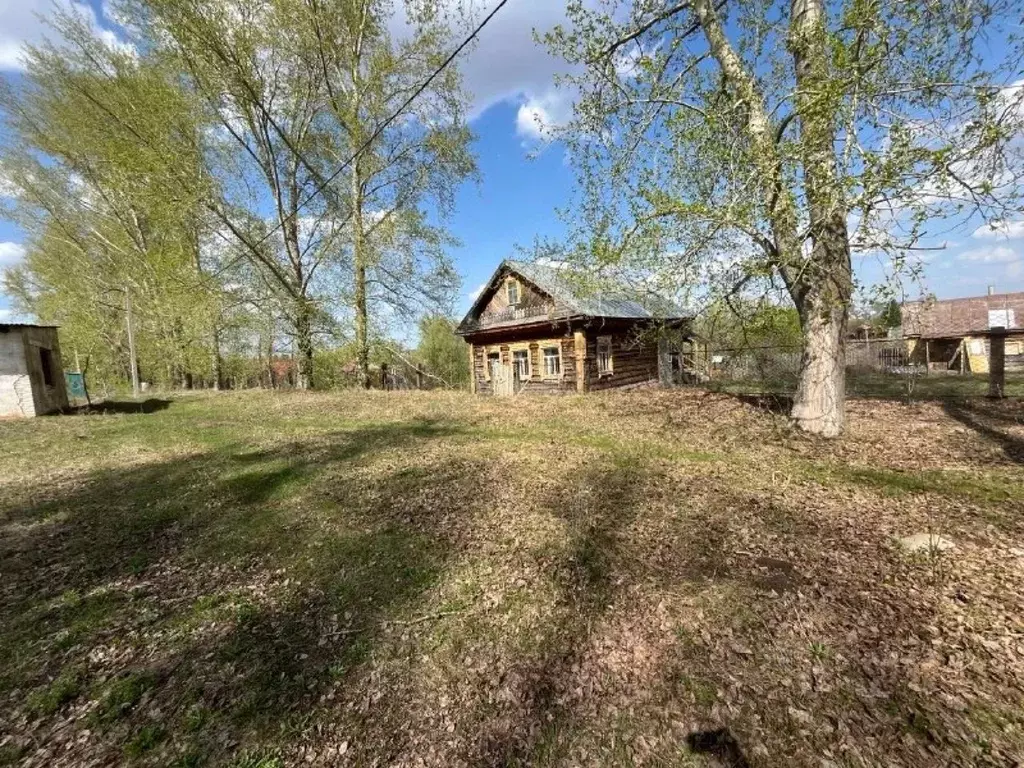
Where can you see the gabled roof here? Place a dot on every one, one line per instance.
(573, 298)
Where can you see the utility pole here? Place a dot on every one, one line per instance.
(132, 362)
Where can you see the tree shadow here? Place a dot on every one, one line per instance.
(772, 403)
(259, 611)
(982, 417)
(720, 744)
(149, 405)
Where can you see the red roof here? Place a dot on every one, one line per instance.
(951, 318)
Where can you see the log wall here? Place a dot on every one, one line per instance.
(633, 361)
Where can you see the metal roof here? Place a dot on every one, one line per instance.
(602, 300)
(4, 324)
(575, 294)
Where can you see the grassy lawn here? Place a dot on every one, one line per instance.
(647, 578)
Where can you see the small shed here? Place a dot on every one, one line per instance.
(31, 374)
(956, 333)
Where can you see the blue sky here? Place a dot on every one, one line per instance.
(512, 83)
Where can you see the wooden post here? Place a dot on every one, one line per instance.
(997, 363)
(927, 356)
(580, 345)
(472, 368)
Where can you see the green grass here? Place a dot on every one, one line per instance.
(241, 579)
(118, 697)
(48, 699)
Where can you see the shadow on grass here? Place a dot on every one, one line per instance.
(171, 550)
(149, 405)
(983, 417)
(719, 743)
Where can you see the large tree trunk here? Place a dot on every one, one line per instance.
(824, 285)
(819, 405)
(304, 346)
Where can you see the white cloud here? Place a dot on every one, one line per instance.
(21, 23)
(538, 115)
(475, 293)
(506, 64)
(1000, 230)
(997, 253)
(11, 253)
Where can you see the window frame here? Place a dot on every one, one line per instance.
(604, 346)
(510, 285)
(515, 362)
(488, 351)
(558, 358)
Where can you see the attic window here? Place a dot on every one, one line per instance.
(512, 290)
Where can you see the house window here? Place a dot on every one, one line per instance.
(493, 359)
(604, 355)
(46, 361)
(521, 363)
(512, 289)
(552, 362)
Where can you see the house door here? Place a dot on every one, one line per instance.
(502, 379)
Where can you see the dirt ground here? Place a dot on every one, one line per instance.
(658, 578)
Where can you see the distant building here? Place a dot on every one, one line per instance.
(533, 329)
(31, 375)
(954, 333)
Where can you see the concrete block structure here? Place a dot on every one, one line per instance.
(31, 374)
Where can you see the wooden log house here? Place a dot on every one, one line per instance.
(534, 329)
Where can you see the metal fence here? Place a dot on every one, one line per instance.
(874, 368)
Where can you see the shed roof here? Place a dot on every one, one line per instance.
(952, 318)
(28, 325)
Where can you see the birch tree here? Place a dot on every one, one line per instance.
(109, 179)
(765, 141)
(402, 181)
(267, 150)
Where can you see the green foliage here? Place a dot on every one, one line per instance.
(442, 352)
(121, 695)
(733, 152)
(891, 316)
(51, 697)
(749, 324)
(144, 177)
(144, 741)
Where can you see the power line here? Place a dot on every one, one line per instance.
(380, 129)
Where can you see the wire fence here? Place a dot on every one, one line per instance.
(900, 368)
